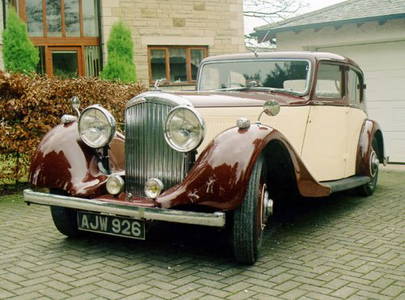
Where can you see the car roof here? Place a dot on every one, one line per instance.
(313, 56)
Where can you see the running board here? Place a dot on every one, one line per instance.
(346, 183)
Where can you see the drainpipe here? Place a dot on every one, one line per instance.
(100, 32)
(3, 4)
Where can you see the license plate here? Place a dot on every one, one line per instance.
(111, 225)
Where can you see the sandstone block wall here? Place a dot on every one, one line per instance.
(212, 23)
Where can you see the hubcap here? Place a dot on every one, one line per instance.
(267, 205)
(374, 162)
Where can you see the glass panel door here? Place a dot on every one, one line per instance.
(65, 62)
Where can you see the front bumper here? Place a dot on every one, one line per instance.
(216, 219)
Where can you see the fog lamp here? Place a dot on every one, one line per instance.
(115, 184)
(153, 188)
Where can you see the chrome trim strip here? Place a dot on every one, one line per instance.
(216, 219)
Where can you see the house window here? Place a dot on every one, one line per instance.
(34, 17)
(63, 18)
(66, 33)
(176, 64)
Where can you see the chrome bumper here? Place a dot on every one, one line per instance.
(216, 219)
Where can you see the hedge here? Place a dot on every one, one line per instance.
(31, 106)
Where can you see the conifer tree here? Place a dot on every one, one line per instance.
(19, 54)
(120, 65)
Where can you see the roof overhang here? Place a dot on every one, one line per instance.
(264, 33)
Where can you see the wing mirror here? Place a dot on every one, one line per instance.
(75, 102)
(67, 119)
(270, 108)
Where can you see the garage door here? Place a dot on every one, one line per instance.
(384, 68)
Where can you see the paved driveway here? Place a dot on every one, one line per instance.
(343, 247)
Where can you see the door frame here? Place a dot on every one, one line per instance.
(49, 62)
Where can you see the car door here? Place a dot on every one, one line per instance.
(356, 117)
(325, 143)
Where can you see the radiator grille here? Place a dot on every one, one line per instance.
(147, 153)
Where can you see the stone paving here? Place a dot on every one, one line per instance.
(342, 247)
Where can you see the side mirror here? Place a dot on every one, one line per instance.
(75, 104)
(271, 108)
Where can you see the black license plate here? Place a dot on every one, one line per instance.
(111, 225)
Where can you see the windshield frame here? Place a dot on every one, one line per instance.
(307, 84)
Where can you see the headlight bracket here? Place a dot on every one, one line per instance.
(104, 160)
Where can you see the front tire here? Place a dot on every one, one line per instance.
(250, 218)
(65, 219)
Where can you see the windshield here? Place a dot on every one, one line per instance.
(283, 75)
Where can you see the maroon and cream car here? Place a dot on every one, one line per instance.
(258, 129)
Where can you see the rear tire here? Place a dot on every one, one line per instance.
(369, 188)
(250, 218)
(65, 219)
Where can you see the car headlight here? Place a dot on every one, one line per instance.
(184, 129)
(96, 126)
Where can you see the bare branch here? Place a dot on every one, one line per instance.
(273, 10)
(270, 11)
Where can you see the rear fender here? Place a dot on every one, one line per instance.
(221, 174)
(369, 131)
(62, 161)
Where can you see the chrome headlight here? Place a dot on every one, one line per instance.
(184, 129)
(96, 126)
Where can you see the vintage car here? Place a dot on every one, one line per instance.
(259, 128)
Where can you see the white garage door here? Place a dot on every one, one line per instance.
(384, 68)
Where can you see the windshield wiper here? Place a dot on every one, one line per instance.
(258, 88)
(284, 91)
(239, 88)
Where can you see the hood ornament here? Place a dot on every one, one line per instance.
(157, 83)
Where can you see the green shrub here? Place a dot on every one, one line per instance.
(120, 65)
(19, 54)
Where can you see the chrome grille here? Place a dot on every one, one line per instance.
(147, 153)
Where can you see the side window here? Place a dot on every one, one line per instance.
(329, 81)
(354, 84)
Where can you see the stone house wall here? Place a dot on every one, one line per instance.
(215, 24)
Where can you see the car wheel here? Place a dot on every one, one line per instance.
(369, 188)
(250, 218)
(65, 219)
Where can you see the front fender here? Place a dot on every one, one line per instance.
(62, 161)
(221, 174)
